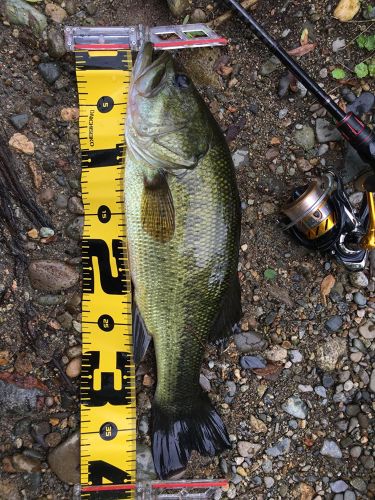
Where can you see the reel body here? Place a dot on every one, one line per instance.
(321, 217)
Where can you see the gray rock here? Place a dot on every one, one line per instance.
(56, 44)
(198, 16)
(75, 228)
(360, 299)
(329, 352)
(269, 481)
(280, 448)
(240, 158)
(359, 484)
(354, 166)
(323, 149)
(19, 121)
(27, 464)
(271, 65)
(178, 7)
(247, 449)
(145, 463)
(231, 388)
(64, 460)
(305, 137)
(49, 71)
(267, 466)
(295, 356)
(9, 490)
(367, 330)
(252, 362)
(20, 12)
(334, 323)
(320, 391)
(328, 380)
(249, 342)
(349, 495)
(362, 104)
(52, 275)
(368, 462)
(75, 205)
(46, 232)
(326, 132)
(338, 44)
(204, 383)
(359, 279)
(339, 486)
(295, 407)
(331, 449)
(356, 451)
(372, 381)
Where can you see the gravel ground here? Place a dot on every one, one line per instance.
(296, 387)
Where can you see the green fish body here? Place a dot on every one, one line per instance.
(183, 226)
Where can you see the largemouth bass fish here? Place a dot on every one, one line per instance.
(183, 226)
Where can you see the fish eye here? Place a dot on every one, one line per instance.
(182, 81)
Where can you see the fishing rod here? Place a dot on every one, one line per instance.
(361, 137)
(319, 214)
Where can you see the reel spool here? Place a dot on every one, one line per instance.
(320, 217)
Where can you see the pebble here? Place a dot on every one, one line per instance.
(21, 143)
(56, 44)
(328, 380)
(295, 407)
(339, 486)
(23, 463)
(359, 279)
(349, 495)
(252, 362)
(320, 391)
(55, 12)
(271, 65)
(323, 149)
(356, 451)
(46, 232)
(338, 44)
(19, 121)
(362, 104)
(64, 460)
(75, 228)
(359, 484)
(73, 368)
(305, 137)
(295, 356)
(283, 113)
(249, 342)
(49, 71)
(367, 330)
(372, 381)
(198, 16)
(334, 323)
(205, 383)
(269, 481)
(282, 447)
(52, 275)
(241, 158)
(331, 449)
(359, 299)
(326, 132)
(75, 205)
(257, 425)
(276, 353)
(329, 352)
(20, 12)
(53, 439)
(323, 73)
(247, 449)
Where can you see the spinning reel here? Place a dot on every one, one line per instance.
(321, 217)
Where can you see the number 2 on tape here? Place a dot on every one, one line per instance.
(108, 435)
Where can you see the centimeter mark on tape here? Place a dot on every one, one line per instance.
(108, 412)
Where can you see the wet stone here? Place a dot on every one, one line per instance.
(359, 484)
(49, 71)
(252, 362)
(52, 275)
(56, 44)
(20, 12)
(359, 299)
(19, 121)
(339, 486)
(75, 229)
(326, 132)
(249, 342)
(359, 279)
(362, 104)
(328, 380)
(305, 137)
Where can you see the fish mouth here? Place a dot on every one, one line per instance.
(149, 73)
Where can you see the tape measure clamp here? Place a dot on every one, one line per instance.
(108, 409)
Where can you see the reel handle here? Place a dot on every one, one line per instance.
(361, 137)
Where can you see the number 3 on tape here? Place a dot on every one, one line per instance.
(108, 419)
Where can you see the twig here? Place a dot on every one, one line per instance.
(246, 4)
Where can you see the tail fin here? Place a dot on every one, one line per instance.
(175, 437)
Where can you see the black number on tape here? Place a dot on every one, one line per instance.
(114, 285)
(106, 393)
(99, 470)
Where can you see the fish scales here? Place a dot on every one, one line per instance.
(182, 270)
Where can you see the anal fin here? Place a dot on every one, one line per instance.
(229, 314)
(141, 337)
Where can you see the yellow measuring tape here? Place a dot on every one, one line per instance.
(108, 409)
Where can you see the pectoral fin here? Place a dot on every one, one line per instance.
(158, 217)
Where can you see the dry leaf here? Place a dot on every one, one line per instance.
(302, 50)
(21, 143)
(37, 176)
(304, 37)
(326, 286)
(346, 10)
